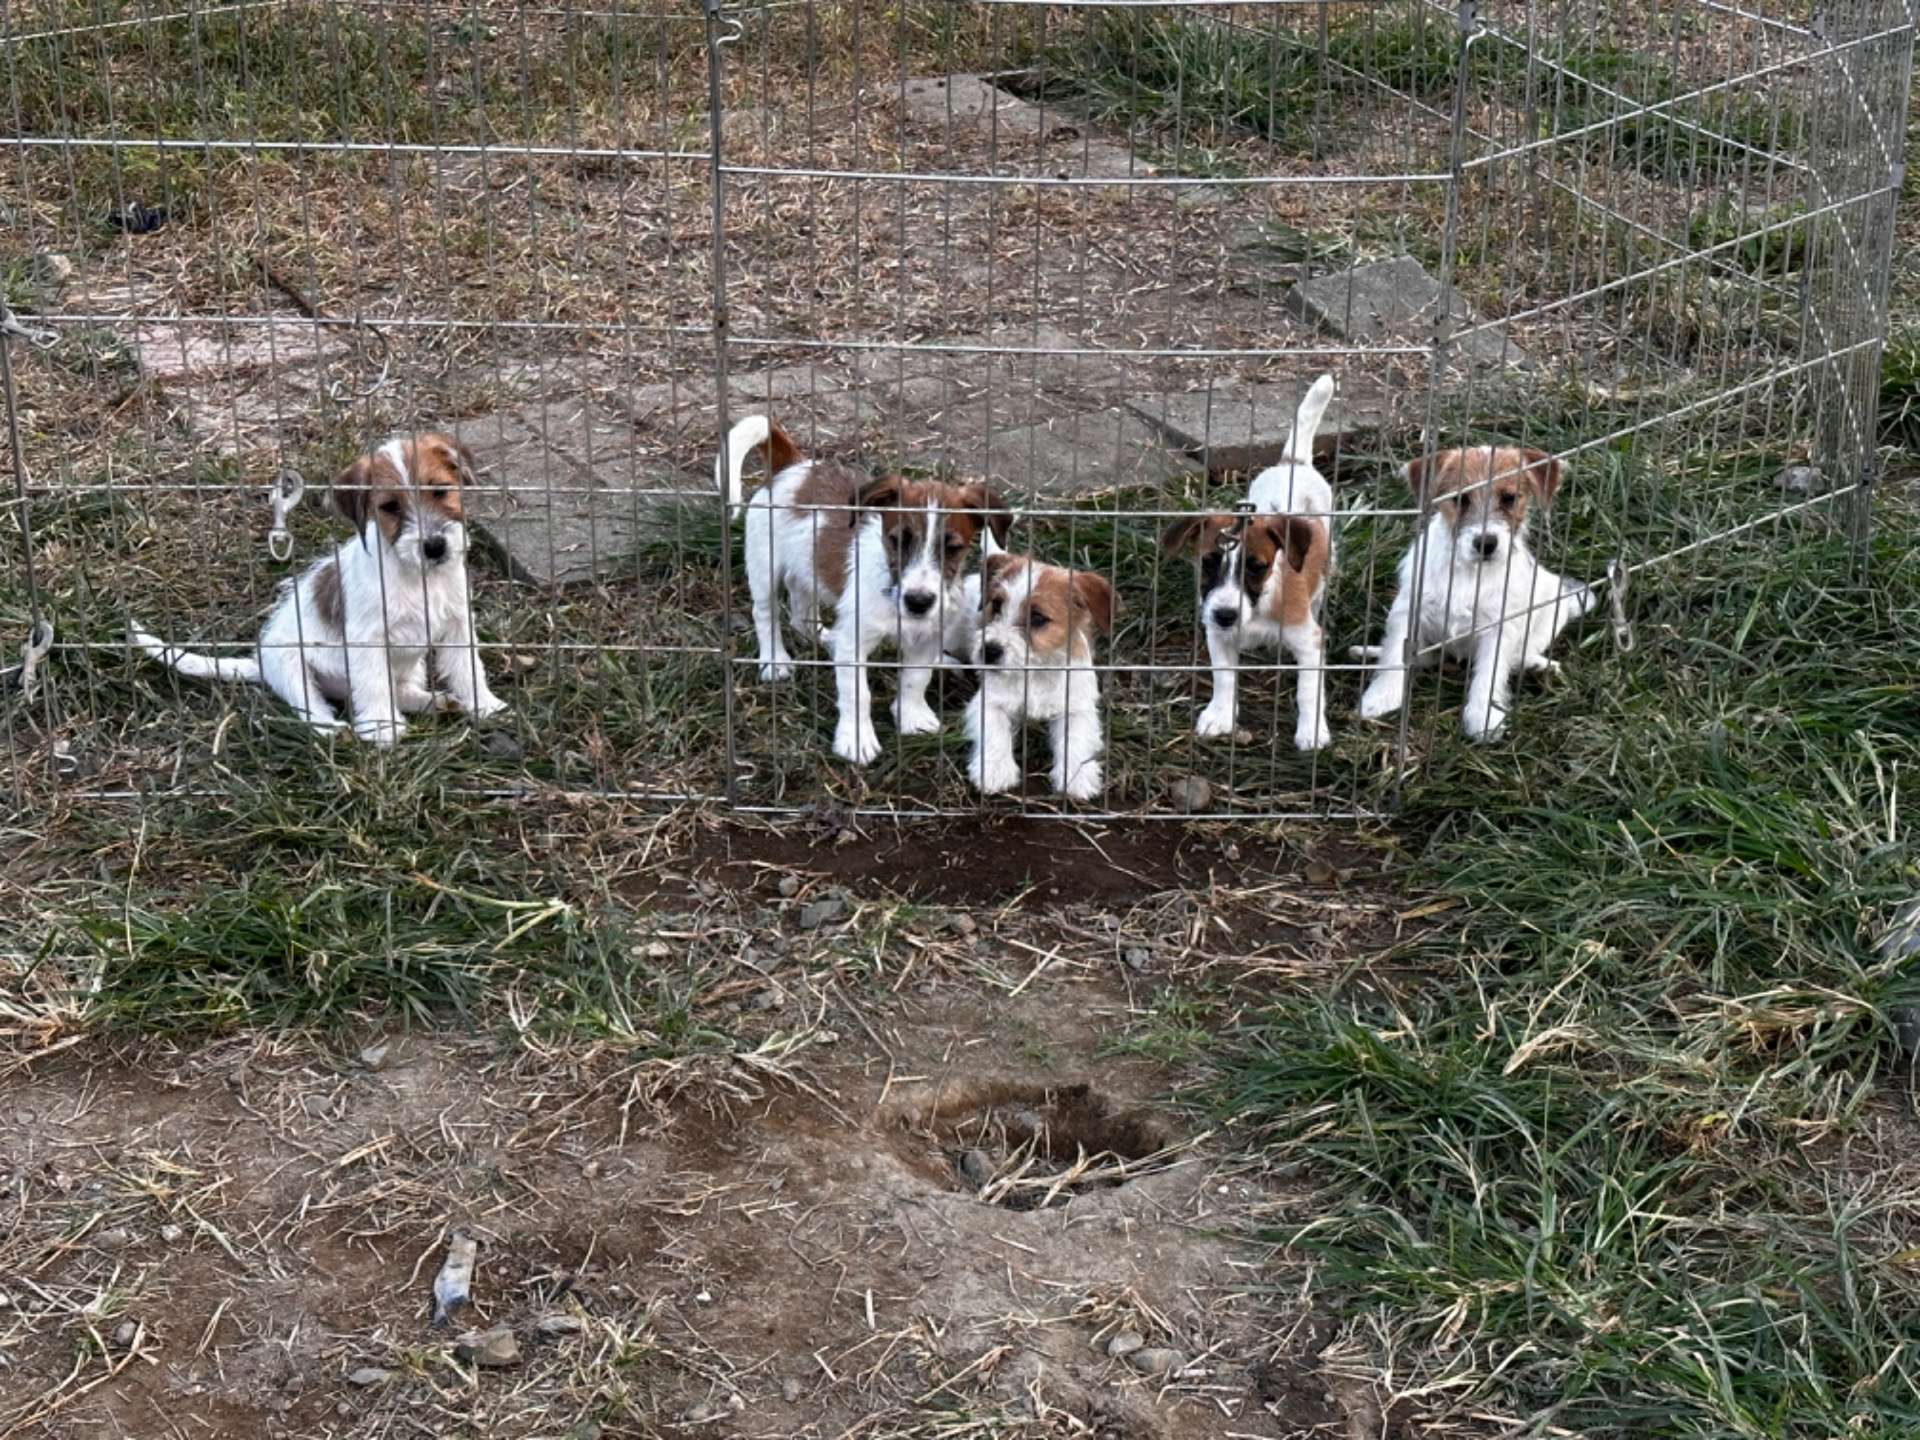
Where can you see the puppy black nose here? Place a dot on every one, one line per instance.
(1226, 617)
(434, 548)
(993, 652)
(918, 602)
(1486, 546)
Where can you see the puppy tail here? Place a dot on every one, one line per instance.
(1306, 421)
(244, 668)
(745, 438)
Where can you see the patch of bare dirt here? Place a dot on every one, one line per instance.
(958, 1216)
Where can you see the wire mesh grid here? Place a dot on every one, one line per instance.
(1633, 254)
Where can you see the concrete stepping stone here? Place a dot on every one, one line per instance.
(1396, 302)
(1244, 427)
(565, 497)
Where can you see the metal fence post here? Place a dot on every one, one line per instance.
(1470, 30)
(722, 31)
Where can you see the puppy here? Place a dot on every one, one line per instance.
(360, 626)
(1483, 597)
(1035, 653)
(888, 556)
(1263, 576)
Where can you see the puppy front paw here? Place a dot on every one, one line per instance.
(382, 733)
(1382, 698)
(857, 744)
(1085, 783)
(775, 671)
(993, 776)
(1483, 722)
(915, 719)
(1216, 720)
(1312, 733)
(489, 706)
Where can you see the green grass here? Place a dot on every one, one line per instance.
(1900, 390)
(1596, 1169)
(1201, 81)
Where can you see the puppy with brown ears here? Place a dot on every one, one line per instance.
(889, 555)
(361, 626)
(1482, 596)
(1263, 576)
(1035, 653)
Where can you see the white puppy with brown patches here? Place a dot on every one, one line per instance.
(361, 626)
(888, 556)
(1263, 577)
(1482, 596)
(1035, 653)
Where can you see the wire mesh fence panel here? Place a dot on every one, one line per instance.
(1598, 285)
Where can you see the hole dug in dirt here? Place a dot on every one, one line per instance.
(1031, 1145)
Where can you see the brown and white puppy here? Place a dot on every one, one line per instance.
(889, 555)
(1482, 596)
(1263, 577)
(1035, 653)
(360, 626)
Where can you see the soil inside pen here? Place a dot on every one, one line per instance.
(938, 1193)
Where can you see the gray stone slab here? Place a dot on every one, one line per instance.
(1397, 302)
(564, 496)
(1245, 427)
(1074, 456)
(953, 103)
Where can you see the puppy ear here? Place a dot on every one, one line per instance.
(881, 494)
(1096, 594)
(999, 514)
(463, 463)
(1298, 541)
(1184, 534)
(1416, 474)
(1545, 474)
(993, 568)
(351, 493)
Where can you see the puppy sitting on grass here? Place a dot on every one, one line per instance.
(360, 626)
(1035, 653)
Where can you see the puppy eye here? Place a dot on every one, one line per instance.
(1037, 621)
(1506, 501)
(440, 494)
(1255, 567)
(390, 507)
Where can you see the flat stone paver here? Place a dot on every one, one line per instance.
(1396, 302)
(1245, 427)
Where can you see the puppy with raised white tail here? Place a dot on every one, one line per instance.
(888, 555)
(1263, 576)
(361, 626)
(1482, 595)
(1035, 653)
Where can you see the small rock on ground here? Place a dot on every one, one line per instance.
(1190, 793)
(822, 912)
(1127, 1342)
(789, 886)
(976, 1168)
(790, 1390)
(124, 1334)
(1156, 1360)
(494, 1348)
(369, 1375)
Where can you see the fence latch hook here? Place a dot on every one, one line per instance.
(39, 645)
(1617, 578)
(288, 488)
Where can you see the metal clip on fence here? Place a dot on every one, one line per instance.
(39, 645)
(39, 339)
(288, 488)
(1617, 578)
